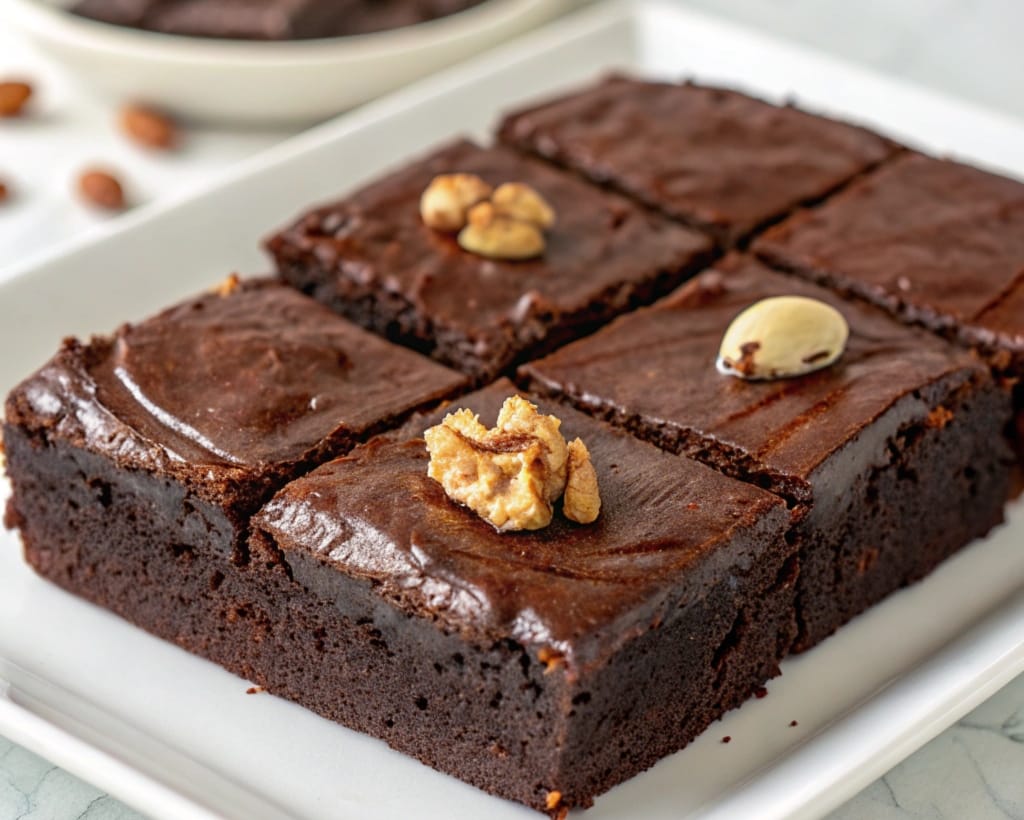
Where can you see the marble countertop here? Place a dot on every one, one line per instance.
(968, 48)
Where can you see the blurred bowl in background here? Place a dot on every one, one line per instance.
(290, 83)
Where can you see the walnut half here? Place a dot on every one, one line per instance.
(512, 474)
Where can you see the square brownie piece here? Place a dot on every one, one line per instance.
(541, 666)
(710, 157)
(371, 258)
(157, 443)
(935, 242)
(894, 456)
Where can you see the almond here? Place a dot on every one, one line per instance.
(148, 127)
(101, 189)
(13, 96)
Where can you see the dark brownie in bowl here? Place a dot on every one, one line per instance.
(267, 19)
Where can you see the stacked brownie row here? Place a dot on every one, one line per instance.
(211, 473)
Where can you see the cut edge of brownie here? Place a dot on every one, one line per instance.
(577, 734)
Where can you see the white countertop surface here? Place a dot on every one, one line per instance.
(968, 48)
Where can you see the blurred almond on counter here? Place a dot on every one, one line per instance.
(13, 97)
(102, 189)
(148, 127)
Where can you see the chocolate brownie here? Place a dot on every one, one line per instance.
(165, 437)
(713, 158)
(937, 243)
(559, 661)
(263, 20)
(894, 455)
(372, 259)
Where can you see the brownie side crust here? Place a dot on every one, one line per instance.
(935, 242)
(713, 158)
(621, 640)
(894, 456)
(371, 258)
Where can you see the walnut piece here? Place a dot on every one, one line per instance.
(512, 474)
(495, 236)
(506, 223)
(445, 203)
(582, 502)
(519, 201)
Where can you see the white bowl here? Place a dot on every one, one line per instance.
(279, 83)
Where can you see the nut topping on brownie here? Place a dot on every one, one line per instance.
(512, 474)
(503, 223)
(782, 337)
(445, 203)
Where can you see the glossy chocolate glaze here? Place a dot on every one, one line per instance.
(242, 383)
(601, 247)
(937, 242)
(713, 158)
(669, 529)
(268, 19)
(654, 371)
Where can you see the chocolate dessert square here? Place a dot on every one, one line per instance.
(136, 459)
(543, 666)
(371, 258)
(710, 157)
(894, 455)
(935, 242)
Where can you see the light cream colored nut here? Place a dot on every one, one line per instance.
(500, 237)
(517, 200)
(582, 502)
(448, 198)
(509, 475)
(782, 337)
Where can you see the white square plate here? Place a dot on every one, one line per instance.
(175, 735)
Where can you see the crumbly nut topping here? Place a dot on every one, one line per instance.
(939, 417)
(783, 337)
(582, 502)
(499, 237)
(519, 201)
(551, 658)
(445, 203)
(503, 223)
(511, 474)
(228, 285)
